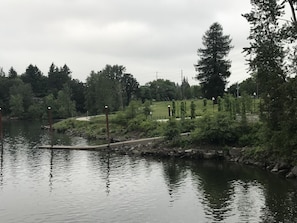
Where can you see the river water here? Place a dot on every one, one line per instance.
(88, 186)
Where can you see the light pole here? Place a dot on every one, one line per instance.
(49, 108)
(168, 110)
(107, 124)
(255, 94)
(213, 102)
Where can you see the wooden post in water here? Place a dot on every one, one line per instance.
(107, 125)
(50, 123)
(1, 131)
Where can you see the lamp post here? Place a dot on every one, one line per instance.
(107, 124)
(50, 117)
(49, 108)
(213, 102)
(255, 94)
(169, 111)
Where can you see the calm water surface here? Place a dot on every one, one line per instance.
(87, 186)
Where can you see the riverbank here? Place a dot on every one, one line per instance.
(162, 148)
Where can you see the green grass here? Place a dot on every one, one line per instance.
(160, 108)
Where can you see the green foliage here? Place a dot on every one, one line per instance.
(144, 127)
(221, 129)
(16, 105)
(172, 130)
(218, 130)
(220, 104)
(35, 111)
(57, 77)
(272, 51)
(66, 107)
(147, 109)
(188, 125)
(111, 87)
(162, 90)
(133, 109)
(36, 79)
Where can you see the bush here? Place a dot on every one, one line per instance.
(218, 130)
(172, 130)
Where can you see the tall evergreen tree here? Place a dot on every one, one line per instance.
(213, 67)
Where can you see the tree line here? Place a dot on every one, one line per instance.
(28, 95)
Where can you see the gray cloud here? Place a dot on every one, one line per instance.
(146, 36)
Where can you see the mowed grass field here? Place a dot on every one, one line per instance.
(160, 108)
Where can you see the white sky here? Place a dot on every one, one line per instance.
(151, 38)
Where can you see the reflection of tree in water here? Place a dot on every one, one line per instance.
(51, 169)
(112, 167)
(213, 178)
(248, 200)
(249, 193)
(281, 199)
(1, 162)
(174, 175)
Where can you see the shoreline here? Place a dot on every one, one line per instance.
(234, 154)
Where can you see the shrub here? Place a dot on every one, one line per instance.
(219, 130)
(172, 130)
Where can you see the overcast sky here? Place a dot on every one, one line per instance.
(151, 38)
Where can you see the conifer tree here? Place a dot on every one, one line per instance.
(213, 67)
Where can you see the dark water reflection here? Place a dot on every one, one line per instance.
(87, 186)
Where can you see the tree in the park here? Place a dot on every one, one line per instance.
(144, 93)
(98, 93)
(129, 86)
(266, 57)
(213, 66)
(271, 52)
(110, 86)
(163, 90)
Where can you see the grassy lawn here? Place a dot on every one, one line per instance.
(160, 108)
